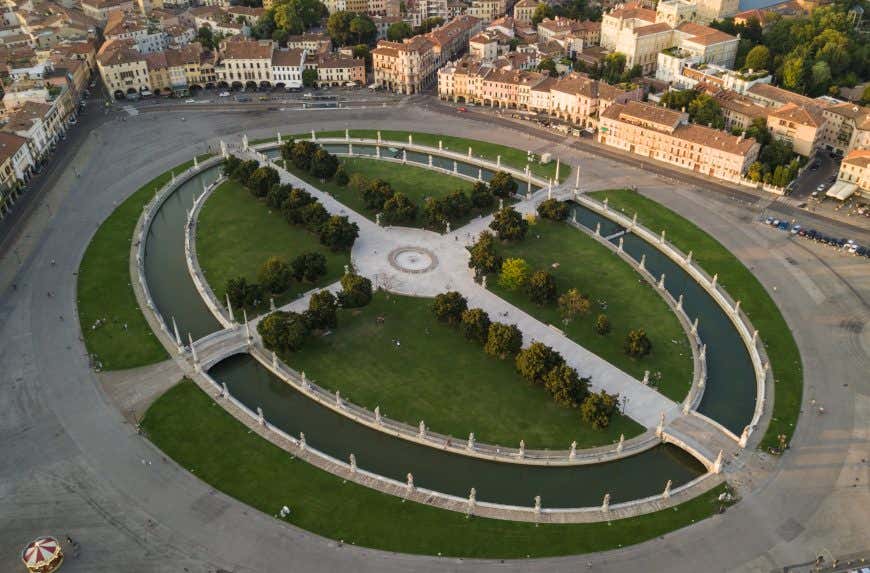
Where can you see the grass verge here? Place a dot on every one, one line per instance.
(236, 233)
(199, 435)
(510, 156)
(616, 290)
(122, 338)
(742, 285)
(435, 374)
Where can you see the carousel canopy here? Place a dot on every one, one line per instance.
(41, 551)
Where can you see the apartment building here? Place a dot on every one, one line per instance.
(641, 34)
(124, 70)
(854, 175)
(287, 67)
(575, 98)
(684, 71)
(802, 126)
(739, 111)
(99, 10)
(524, 10)
(245, 62)
(147, 36)
(847, 127)
(311, 43)
(340, 71)
(666, 135)
(16, 162)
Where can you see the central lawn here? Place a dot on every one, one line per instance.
(436, 375)
(742, 285)
(123, 338)
(417, 183)
(510, 156)
(236, 233)
(631, 303)
(199, 435)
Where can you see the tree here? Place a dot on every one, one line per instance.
(356, 291)
(758, 58)
(262, 180)
(293, 205)
(597, 409)
(503, 185)
(309, 77)
(205, 37)
(323, 164)
(322, 311)
(509, 225)
(566, 386)
(456, 205)
(283, 331)
(483, 258)
(637, 344)
(793, 73)
(308, 267)
(231, 165)
(758, 131)
(435, 214)
(338, 233)
(449, 306)
(376, 194)
(358, 182)
(503, 340)
(287, 19)
(541, 287)
(277, 195)
(514, 274)
(553, 209)
(363, 52)
(614, 66)
(399, 209)
(821, 76)
(338, 27)
(313, 216)
(302, 154)
(475, 325)
(541, 13)
(865, 95)
(705, 110)
(481, 197)
(679, 99)
(243, 294)
(777, 152)
(534, 362)
(398, 31)
(428, 25)
(362, 30)
(755, 171)
(341, 177)
(602, 324)
(549, 66)
(572, 303)
(275, 275)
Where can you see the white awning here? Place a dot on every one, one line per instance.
(841, 190)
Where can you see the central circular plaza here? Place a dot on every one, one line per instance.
(414, 260)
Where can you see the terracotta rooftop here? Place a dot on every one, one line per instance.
(329, 61)
(779, 95)
(10, 144)
(248, 50)
(634, 112)
(805, 115)
(291, 57)
(858, 157)
(652, 29)
(633, 11)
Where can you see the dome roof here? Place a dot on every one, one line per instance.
(42, 554)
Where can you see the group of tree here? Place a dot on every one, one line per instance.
(288, 17)
(437, 212)
(509, 224)
(777, 162)
(284, 331)
(348, 28)
(208, 38)
(275, 276)
(814, 54)
(378, 195)
(611, 70)
(703, 109)
(542, 366)
(297, 206)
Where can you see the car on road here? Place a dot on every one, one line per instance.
(820, 188)
(73, 121)
(769, 220)
(224, 94)
(461, 109)
(190, 101)
(263, 98)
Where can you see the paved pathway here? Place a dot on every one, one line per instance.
(370, 257)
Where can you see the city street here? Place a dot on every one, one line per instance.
(72, 464)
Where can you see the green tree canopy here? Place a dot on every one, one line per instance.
(541, 13)
(758, 58)
(514, 274)
(475, 325)
(503, 340)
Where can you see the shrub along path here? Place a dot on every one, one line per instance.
(614, 289)
(416, 368)
(741, 285)
(200, 436)
(123, 338)
(237, 233)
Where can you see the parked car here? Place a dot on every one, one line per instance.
(224, 94)
(783, 225)
(190, 101)
(769, 221)
(461, 109)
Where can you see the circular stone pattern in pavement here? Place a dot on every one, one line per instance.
(413, 260)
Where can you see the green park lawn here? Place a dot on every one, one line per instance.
(104, 291)
(200, 436)
(510, 156)
(742, 285)
(237, 233)
(436, 375)
(631, 304)
(417, 183)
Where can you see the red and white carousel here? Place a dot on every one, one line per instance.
(43, 555)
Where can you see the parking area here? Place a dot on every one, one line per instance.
(843, 245)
